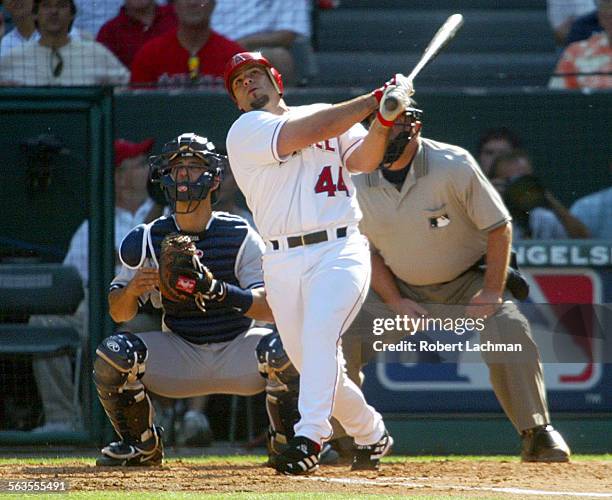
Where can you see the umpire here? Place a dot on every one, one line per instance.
(433, 219)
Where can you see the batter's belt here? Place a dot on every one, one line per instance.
(309, 238)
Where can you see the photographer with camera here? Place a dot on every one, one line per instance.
(536, 213)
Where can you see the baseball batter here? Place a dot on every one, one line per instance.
(294, 165)
(208, 342)
(431, 215)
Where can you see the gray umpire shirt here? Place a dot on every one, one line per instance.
(436, 226)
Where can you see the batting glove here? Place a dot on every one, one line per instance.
(398, 80)
(401, 101)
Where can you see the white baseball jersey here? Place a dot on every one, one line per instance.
(306, 191)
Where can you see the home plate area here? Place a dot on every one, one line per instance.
(438, 477)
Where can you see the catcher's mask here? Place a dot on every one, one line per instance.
(187, 146)
(396, 146)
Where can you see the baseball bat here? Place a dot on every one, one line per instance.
(444, 35)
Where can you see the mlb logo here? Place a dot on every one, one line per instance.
(570, 358)
(565, 326)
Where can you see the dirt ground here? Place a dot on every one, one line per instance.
(480, 479)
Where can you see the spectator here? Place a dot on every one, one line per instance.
(595, 212)
(25, 27)
(588, 64)
(562, 13)
(138, 22)
(94, 13)
(492, 143)
(132, 207)
(583, 27)
(57, 58)
(192, 54)
(536, 213)
(271, 28)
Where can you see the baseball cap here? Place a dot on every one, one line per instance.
(125, 149)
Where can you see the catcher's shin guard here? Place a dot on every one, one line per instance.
(118, 368)
(282, 391)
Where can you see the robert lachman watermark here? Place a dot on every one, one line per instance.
(554, 333)
(449, 331)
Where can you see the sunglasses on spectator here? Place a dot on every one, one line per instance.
(57, 63)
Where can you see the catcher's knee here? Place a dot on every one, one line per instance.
(273, 362)
(120, 363)
(282, 390)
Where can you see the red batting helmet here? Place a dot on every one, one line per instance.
(242, 59)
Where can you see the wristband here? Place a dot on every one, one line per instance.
(383, 122)
(238, 298)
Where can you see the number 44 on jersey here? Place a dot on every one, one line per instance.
(326, 184)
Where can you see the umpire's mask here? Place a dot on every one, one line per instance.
(396, 146)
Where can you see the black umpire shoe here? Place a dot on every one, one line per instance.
(122, 453)
(544, 444)
(367, 456)
(300, 457)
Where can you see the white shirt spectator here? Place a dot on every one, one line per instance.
(92, 14)
(13, 39)
(560, 11)
(84, 62)
(236, 19)
(595, 212)
(125, 221)
(544, 225)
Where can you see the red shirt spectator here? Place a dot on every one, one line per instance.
(124, 35)
(164, 61)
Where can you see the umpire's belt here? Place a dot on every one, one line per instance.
(309, 238)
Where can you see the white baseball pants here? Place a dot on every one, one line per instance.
(315, 292)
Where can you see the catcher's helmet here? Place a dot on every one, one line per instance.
(396, 146)
(187, 145)
(255, 58)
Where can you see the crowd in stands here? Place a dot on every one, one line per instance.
(182, 42)
(586, 62)
(187, 42)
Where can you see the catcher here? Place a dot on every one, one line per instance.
(203, 268)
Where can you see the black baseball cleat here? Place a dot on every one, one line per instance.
(544, 444)
(125, 454)
(300, 457)
(367, 456)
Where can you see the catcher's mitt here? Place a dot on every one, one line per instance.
(182, 276)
